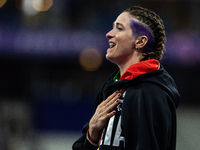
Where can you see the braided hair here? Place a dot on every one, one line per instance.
(156, 26)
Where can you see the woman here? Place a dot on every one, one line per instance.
(136, 107)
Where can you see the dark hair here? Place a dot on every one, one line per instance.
(156, 26)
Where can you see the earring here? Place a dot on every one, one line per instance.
(137, 49)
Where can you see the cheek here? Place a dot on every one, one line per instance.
(129, 42)
(118, 37)
(125, 40)
(121, 39)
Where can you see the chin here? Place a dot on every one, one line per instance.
(108, 56)
(111, 59)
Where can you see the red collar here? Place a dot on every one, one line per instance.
(139, 69)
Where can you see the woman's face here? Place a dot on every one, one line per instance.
(121, 40)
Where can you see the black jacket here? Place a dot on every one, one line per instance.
(145, 118)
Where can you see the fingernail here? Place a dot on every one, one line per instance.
(117, 101)
(114, 112)
(117, 92)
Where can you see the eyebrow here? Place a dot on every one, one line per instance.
(117, 23)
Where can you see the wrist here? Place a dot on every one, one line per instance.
(93, 140)
(93, 134)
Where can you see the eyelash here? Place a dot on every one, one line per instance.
(119, 28)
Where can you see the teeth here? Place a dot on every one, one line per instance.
(112, 44)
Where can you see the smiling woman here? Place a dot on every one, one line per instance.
(136, 107)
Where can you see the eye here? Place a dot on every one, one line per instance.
(119, 28)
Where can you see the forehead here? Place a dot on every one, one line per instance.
(124, 18)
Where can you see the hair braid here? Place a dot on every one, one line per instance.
(155, 24)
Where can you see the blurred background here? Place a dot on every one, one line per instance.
(52, 65)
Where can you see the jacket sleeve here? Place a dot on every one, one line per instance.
(83, 143)
(149, 118)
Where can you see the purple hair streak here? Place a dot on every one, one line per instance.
(138, 30)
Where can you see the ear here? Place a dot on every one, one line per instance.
(141, 41)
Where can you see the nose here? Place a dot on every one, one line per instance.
(110, 34)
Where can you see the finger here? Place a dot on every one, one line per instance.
(113, 100)
(117, 96)
(112, 103)
(110, 97)
(109, 115)
(112, 106)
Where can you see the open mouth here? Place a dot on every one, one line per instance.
(112, 44)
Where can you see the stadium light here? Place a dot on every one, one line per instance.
(2, 2)
(42, 5)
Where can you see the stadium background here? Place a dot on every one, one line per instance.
(52, 65)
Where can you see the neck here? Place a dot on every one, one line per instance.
(124, 67)
(127, 61)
